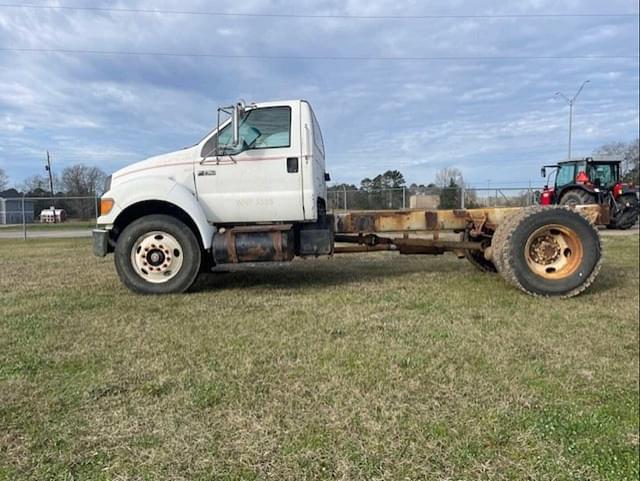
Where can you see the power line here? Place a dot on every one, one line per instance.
(315, 57)
(327, 16)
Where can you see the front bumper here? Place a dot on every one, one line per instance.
(100, 242)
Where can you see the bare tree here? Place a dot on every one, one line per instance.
(82, 180)
(447, 176)
(628, 153)
(4, 180)
(38, 185)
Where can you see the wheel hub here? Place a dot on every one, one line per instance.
(553, 252)
(545, 250)
(156, 256)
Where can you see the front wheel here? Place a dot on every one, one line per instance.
(628, 213)
(157, 254)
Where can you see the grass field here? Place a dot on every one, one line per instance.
(379, 367)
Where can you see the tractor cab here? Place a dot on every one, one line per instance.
(589, 175)
(592, 181)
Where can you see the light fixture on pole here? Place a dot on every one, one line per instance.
(570, 102)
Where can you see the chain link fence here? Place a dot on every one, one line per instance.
(435, 198)
(36, 217)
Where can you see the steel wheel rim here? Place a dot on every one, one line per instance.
(554, 252)
(157, 257)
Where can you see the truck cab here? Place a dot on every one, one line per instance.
(253, 189)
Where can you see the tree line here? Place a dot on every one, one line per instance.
(390, 190)
(386, 190)
(77, 180)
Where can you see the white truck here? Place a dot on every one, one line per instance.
(254, 190)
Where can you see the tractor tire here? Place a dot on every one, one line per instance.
(158, 254)
(575, 197)
(477, 259)
(629, 216)
(548, 251)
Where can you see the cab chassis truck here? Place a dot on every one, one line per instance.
(254, 190)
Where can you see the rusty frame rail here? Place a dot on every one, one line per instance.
(360, 228)
(420, 220)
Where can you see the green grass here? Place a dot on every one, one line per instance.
(72, 224)
(363, 367)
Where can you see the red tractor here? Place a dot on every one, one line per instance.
(589, 181)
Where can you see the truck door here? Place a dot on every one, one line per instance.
(262, 182)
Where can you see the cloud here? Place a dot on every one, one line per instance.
(495, 119)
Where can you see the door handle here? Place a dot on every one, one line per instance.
(292, 165)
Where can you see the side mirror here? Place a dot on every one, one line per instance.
(543, 172)
(236, 115)
(327, 177)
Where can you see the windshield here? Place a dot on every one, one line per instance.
(565, 175)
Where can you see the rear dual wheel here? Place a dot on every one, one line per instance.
(547, 251)
(477, 258)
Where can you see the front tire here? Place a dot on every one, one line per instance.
(158, 254)
(629, 215)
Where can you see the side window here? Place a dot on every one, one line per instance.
(266, 128)
(208, 150)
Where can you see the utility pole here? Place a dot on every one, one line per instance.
(48, 169)
(570, 102)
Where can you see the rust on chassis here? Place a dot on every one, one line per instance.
(420, 220)
(478, 225)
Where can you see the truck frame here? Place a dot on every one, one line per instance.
(254, 190)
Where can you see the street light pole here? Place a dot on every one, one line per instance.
(570, 102)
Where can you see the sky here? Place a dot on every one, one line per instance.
(497, 120)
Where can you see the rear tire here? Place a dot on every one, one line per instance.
(158, 254)
(477, 258)
(548, 251)
(629, 216)
(577, 197)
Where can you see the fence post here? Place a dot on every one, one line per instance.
(24, 220)
(462, 195)
(344, 190)
(95, 206)
(404, 197)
